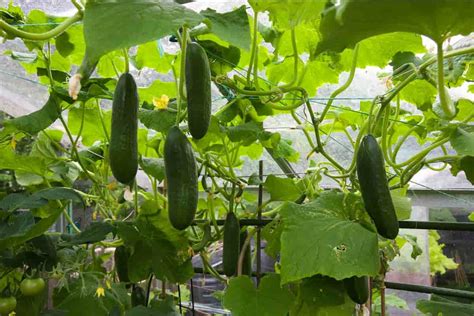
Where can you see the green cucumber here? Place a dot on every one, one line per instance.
(357, 288)
(123, 150)
(182, 178)
(198, 90)
(121, 256)
(374, 187)
(231, 244)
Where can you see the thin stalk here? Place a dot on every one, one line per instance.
(254, 47)
(182, 78)
(345, 85)
(447, 104)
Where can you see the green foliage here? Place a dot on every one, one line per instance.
(269, 69)
(269, 299)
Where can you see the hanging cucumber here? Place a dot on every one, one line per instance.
(374, 187)
(231, 244)
(357, 288)
(121, 256)
(247, 263)
(181, 174)
(123, 150)
(198, 90)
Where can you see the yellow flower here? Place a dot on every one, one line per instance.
(12, 314)
(161, 103)
(112, 185)
(100, 291)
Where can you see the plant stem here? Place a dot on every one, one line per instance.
(41, 36)
(447, 104)
(181, 96)
(346, 85)
(254, 48)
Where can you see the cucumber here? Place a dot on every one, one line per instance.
(231, 244)
(357, 288)
(374, 187)
(198, 90)
(123, 149)
(247, 263)
(121, 256)
(182, 178)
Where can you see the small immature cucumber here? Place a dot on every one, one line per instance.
(123, 140)
(231, 244)
(357, 288)
(374, 187)
(182, 177)
(198, 90)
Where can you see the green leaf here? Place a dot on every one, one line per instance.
(16, 201)
(96, 232)
(445, 307)
(165, 307)
(158, 120)
(420, 93)
(149, 56)
(21, 226)
(282, 189)
(39, 120)
(157, 249)
(345, 25)
(402, 203)
(232, 27)
(79, 297)
(157, 89)
(319, 238)
(270, 299)
(286, 14)
(221, 59)
(463, 141)
(92, 130)
(465, 164)
(155, 167)
(112, 24)
(321, 296)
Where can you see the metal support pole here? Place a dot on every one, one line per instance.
(259, 217)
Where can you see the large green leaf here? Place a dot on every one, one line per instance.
(158, 120)
(96, 232)
(113, 24)
(286, 14)
(157, 249)
(320, 238)
(345, 25)
(232, 27)
(442, 306)
(21, 226)
(270, 299)
(322, 296)
(155, 167)
(463, 140)
(16, 201)
(282, 189)
(39, 120)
